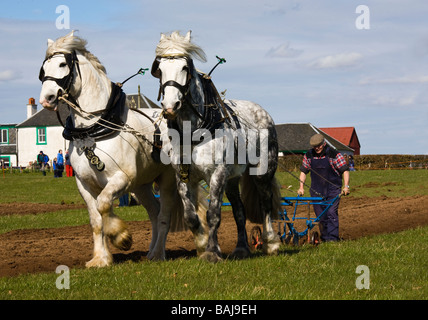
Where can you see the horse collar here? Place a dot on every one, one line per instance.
(109, 123)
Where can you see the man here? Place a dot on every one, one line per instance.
(41, 162)
(327, 167)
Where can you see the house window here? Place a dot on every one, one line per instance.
(4, 162)
(41, 135)
(4, 136)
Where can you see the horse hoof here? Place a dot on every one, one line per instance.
(155, 257)
(122, 241)
(201, 240)
(211, 257)
(241, 253)
(97, 262)
(271, 243)
(271, 249)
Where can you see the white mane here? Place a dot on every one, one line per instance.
(182, 44)
(71, 42)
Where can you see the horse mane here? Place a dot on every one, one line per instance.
(68, 44)
(175, 41)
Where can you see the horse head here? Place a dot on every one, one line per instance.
(58, 72)
(174, 68)
(66, 62)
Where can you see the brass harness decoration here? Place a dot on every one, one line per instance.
(94, 159)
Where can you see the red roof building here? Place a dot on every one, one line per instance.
(346, 135)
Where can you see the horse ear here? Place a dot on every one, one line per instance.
(163, 36)
(188, 35)
(50, 42)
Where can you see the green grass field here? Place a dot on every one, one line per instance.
(397, 263)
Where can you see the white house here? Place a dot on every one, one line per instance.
(41, 131)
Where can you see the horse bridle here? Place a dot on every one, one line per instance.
(184, 89)
(65, 82)
(157, 73)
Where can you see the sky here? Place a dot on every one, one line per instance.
(331, 63)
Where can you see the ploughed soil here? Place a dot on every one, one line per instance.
(42, 250)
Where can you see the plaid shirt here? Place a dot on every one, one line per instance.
(338, 163)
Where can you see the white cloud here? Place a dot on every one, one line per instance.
(7, 75)
(391, 101)
(283, 51)
(396, 80)
(336, 61)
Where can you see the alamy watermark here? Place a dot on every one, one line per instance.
(227, 146)
(363, 281)
(363, 20)
(63, 280)
(63, 20)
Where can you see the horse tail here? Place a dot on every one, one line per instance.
(252, 197)
(178, 223)
(276, 199)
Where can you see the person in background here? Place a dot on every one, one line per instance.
(40, 158)
(60, 163)
(55, 167)
(351, 163)
(124, 200)
(327, 167)
(41, 162)
(46, 161)
(68, 167)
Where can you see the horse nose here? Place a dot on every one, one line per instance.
(177, 105)
(170, 108)
(47, 100)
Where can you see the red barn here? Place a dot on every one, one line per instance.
(346, 135)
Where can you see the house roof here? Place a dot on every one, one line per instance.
(45, 118)
(294, 138)
(8, 125)
(342, 134)
(140, 101)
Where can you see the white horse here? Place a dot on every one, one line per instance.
(113, 149)
(192, 106)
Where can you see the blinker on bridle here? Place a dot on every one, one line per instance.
(65, 82)
(156, 72)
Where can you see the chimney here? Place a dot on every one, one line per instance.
(31, 108)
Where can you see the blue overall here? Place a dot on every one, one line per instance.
(327, 183)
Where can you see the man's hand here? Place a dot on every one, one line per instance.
(300, 192)
(346, 191)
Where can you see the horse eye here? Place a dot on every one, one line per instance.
(62, 65)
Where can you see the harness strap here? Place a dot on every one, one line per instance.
(112, 114)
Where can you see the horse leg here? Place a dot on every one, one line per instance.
(242, 249)
(145, 196)
(271, 242)
(168, 198)
(114, 227)
(270, 238)
(101, 254)
(197, 224)
(217, 186)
